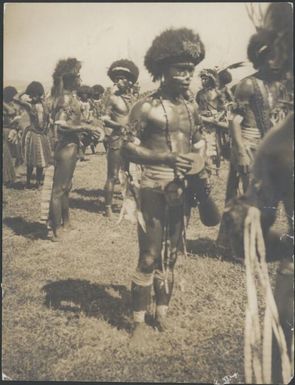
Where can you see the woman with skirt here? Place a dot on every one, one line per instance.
(9, 117)
(35, 141)
(8, 167)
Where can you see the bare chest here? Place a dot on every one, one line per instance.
(176, 117)
(121, 106)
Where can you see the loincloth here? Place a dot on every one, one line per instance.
(156, 177)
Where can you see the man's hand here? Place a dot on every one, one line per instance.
(12, 136)
(26, 98)
(244, 163)
(243, 170)
(180, 163)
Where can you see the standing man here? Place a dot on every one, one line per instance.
(209, 98)
(272, 183)
(84, 94)
(255, 96)
(124, 73)
(168, 126)
(68, 119)
(211, 106)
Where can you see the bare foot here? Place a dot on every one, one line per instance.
(162, 323)
(68, 226)
(57, 235)
(140, 336)
(108, 212)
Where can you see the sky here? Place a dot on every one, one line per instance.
(37, 35)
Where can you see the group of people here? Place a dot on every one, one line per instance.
(165, 132)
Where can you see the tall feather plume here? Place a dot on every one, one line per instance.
(255, 14)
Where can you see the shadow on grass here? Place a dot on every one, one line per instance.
(31, 230)
(95, 193)
(276, 248)
(89, 193)
(108, 302)
(17, 185)
(92, 206)
(203, 246)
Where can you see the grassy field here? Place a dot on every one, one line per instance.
(66, 306)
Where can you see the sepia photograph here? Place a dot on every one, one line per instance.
(148, 192)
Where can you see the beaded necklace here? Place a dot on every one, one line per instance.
(127, 101)
(167, 130)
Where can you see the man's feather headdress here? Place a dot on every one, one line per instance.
(173, 45)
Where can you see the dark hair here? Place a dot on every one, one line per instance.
(84, 90)
(97, 89)
(131, 73)
(259, 47)
(8, 93)
(35, 89)
(224, 77)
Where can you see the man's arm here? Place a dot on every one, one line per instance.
(18, 99)
(8, 109)
(242, 95)
(200, 101)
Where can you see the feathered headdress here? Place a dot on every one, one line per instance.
(209, 73)
(64, 67)
(224, 74)
(275, 28)
(259, 46)
(125, 66)
(173, 45)
(255, 14)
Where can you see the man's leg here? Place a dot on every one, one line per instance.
(113, 167)
(164, 280)
(232, 183)
(19, 159)
(29, 175)
(39, 176)
(150, 244)
(66, 158)
(71, 161)
(231, 192)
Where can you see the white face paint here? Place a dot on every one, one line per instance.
(122, 82)
(179, 75)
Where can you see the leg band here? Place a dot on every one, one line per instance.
(140, 297)
(138, 316)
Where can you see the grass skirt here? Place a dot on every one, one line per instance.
(37, 151)
(8, 167)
